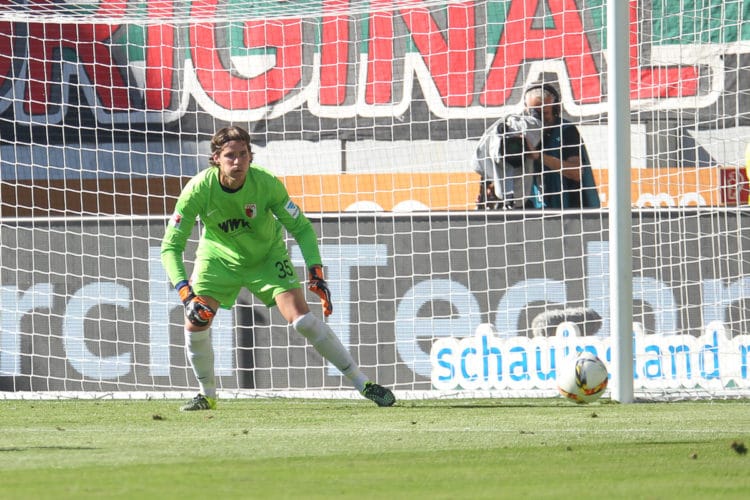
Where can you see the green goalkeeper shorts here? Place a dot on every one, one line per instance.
(214, 278)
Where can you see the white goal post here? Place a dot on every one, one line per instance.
(371, 113)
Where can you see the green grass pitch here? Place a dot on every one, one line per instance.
(432, 449)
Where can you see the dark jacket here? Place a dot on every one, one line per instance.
(551, 188)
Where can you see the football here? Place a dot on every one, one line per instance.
(582, 379)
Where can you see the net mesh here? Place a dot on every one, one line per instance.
(381, 119)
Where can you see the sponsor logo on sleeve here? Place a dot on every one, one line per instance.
(175, 220)
(292, 209)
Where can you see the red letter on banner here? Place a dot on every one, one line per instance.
(7, 38)
(159, 57)
(89, 43)
(282, 37)
(450, 63)
(380, 56)
(658, 82)
(520, 43)
(334, 55)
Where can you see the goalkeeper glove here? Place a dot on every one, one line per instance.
(317, 284)
(197, 310)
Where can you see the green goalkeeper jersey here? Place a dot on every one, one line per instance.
(239, 227)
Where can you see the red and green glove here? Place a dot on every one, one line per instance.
(317, 284)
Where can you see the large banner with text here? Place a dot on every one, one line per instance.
(425, 302)
(422, 70)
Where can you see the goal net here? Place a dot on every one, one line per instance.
(455, 271)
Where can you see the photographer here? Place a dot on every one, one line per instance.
(564, 178)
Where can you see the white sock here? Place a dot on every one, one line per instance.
(330, 347)
(202, 359)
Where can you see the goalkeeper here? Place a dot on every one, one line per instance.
(242, 208)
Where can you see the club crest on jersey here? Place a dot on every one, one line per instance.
(292, 209)
(250, 210)
(175, 220)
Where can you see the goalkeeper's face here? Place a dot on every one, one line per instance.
(233, 160)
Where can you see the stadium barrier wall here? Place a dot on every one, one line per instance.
(442, 191)
(101, 316)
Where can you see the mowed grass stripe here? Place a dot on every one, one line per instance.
(277, 448)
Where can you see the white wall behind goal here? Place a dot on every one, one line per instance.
(299, 157)
(330, 157)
